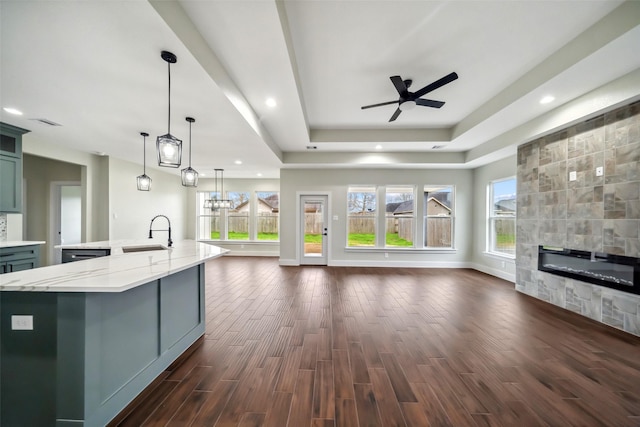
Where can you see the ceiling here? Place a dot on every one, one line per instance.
(94, 67)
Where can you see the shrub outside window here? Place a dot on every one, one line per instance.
(361, 216)
(439, 216)
(399, 216)
(502, 217)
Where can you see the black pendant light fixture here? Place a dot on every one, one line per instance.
(189, 175)
(168, 147)
(218, 201)
(144, 182)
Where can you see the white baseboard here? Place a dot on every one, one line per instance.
(234, 252)
(289, 262)
(400, 264)
(495, 272)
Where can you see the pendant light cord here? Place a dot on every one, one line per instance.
(189, 144)
(169, 117)
(144, 155)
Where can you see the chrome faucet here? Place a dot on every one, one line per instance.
(169, 229)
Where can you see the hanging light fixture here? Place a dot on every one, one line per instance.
(144, 182)
(218, 203)
(169, 147)
(189, 175)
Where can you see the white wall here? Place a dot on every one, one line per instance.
(337, 181)
(130, 211)
(491, 264)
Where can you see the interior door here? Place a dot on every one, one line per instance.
(67, 216)
(314, 231)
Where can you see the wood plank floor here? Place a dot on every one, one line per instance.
(325, 346)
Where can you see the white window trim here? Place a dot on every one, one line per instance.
(490, 221)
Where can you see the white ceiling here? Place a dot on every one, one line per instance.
(95, 68)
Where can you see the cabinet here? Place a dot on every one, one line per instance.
(11, 167)
(18, 258)
(72, 255)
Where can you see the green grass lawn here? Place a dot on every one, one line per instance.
(232, 235)
(367, 239)
(506, 239)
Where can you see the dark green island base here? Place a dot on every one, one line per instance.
(91, 353)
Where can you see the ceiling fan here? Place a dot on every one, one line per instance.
(408, 100)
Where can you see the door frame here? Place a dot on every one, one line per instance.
(299, 234)
(54, 214)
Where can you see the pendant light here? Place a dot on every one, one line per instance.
(144, 182)
(217, 202)
(168, 147)
(189, 175)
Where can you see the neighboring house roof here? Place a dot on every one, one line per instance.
(406, 207)
(505, 205)
(269, 202)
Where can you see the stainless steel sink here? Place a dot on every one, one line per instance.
(143, 248)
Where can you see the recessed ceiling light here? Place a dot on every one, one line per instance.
(378, 147)
(271, 102)
(238, 162)
(258, 174)
(547, 99)
(12, 111)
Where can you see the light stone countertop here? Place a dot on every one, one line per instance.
(115, 273)
(15, 243)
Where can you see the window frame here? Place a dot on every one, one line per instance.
(223, 221)
(451, 216)
(491, 235)
(373, 189)
(390, 189)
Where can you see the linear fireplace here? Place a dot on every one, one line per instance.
(613, 271)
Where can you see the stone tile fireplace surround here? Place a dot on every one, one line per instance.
(590, 213)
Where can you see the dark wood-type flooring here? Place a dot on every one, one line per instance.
(336, 346)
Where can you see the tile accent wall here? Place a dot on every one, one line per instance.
(3, 227)
(593, 213)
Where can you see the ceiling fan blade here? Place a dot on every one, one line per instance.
(395, 115)
(378, 105)
(435, 85)
(429, 103)
(400, 86)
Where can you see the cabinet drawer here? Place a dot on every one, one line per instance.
(18, 252)
(72, 255)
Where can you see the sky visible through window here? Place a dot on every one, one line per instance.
(504, 189)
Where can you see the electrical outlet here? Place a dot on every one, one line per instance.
(599, 171)
(504, 264)
(21, 323)
(386, 254)
(573, 175)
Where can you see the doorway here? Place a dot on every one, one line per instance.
(314, 230)
(66, 216)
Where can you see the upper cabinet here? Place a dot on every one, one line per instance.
(11, 167)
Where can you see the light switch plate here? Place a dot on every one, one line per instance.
(599, 171)
(21, 323)
(573, 175)
(335, 217)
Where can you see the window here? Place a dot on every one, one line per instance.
(247, 219)
(438, 216)
(361, 217)
(238, 216)
(208, 226)
(268, 215)
(502, 217)
(399, 216)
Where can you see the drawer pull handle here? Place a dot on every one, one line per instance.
(6, 255)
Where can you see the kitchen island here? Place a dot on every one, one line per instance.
(79, 341)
